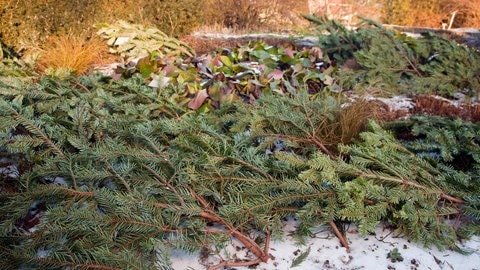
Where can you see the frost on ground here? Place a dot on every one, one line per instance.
(380, 250)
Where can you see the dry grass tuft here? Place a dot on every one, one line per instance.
(73, 54)
(353, 119)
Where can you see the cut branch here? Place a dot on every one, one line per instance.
(166, 183)
(340, 236)
(249, 243)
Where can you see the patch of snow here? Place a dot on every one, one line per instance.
(396, 103)
(10, 171)
(366, 252)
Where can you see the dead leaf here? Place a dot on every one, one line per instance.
(198, 100)
(317, 52)
(289, 52)
(275, 74)
(217, 62)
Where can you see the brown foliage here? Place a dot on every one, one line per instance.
(468, 12)
(254, 14)
(71, 53)
(433, 105)
(26, 24)
(431, 13)
(202, 45)
(353, 119)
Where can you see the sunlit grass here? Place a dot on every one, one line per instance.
(73, 54)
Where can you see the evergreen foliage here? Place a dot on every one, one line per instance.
(120, 174)
(392, 62)
(452, 147)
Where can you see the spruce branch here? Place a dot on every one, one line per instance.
(31, 127)
(211, 216)
(115, 173)
(406, 182)
(254, 168)
(166, 183)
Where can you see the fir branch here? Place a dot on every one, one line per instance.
(30, 126)
(166, 183)
(118, 176)
(245, 240)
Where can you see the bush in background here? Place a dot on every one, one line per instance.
(25, 25)
(254, 15)
(431, 13)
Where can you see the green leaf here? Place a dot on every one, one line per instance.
(226, 61)
(146, 66)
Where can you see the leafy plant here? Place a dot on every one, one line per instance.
(134, 40)
(394, 255)
(244, 73)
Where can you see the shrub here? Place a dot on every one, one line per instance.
(431, 12)
(253, 15)
(25, 24)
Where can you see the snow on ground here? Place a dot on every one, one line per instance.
(369, 252)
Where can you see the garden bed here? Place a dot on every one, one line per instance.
(178, 151)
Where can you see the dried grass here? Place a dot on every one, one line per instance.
(433, 105)
(74, 54)
(353, 119)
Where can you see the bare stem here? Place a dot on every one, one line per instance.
(340, 236)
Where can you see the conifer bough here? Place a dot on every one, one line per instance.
(122, 173)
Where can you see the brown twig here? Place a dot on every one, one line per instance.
(451, 198)
(245, 263)
(234, 264)
(250, 244)
(340, 236)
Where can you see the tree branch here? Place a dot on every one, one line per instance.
(340, 236)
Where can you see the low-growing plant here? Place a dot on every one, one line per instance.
(245, 72)
(65, 55)
(134, 40)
